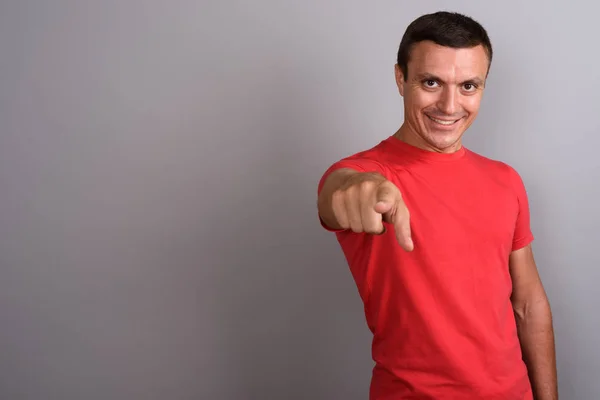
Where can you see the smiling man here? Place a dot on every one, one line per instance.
(438, 238)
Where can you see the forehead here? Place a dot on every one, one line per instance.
(448, 63)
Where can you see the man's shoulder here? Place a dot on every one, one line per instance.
(492, 165)
(371, 159)
(499, 171)
(375, 152)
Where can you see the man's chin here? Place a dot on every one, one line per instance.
(445, 141)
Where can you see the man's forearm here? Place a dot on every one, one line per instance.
(536, 334)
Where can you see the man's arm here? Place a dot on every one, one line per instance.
(534, 324)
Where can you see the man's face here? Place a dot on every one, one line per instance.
(442, 93)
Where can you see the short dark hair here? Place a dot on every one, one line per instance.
(444, 28)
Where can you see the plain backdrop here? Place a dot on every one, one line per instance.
(158, 170)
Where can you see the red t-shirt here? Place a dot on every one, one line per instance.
(441, 316)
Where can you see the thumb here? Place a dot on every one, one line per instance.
(382, 206)
(386, 198)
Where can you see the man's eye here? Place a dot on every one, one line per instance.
(430, 83)
(469, 87)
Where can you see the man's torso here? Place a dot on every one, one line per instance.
(441, 315)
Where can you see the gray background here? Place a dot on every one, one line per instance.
(158, 171)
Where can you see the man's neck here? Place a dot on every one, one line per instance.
(409, 136)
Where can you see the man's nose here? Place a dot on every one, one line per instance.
(448, 100)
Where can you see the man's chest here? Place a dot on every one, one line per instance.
(461, 216)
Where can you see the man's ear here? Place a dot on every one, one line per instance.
(399, 79)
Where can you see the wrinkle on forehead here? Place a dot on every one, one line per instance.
(451, 65)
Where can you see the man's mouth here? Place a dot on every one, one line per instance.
(445, 122)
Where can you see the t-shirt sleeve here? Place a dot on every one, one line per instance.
(522, 234)
(358, 163)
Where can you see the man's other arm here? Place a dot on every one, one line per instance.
(534, 324)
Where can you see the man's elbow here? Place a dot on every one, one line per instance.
(535, 309)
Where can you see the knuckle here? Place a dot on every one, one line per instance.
(368, 186)
(375, 230)
(337, 196)
(341, 218)
(368, 227)
(356, 227)
(351, 193)
(367, 183)
(372, 223)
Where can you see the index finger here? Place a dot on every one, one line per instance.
(389, 202)
(401, 221)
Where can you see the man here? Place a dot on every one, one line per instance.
(438, 238)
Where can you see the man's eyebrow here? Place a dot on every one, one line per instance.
(426, 76)
(475, 80)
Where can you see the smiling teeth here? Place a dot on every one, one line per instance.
(442, 122)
